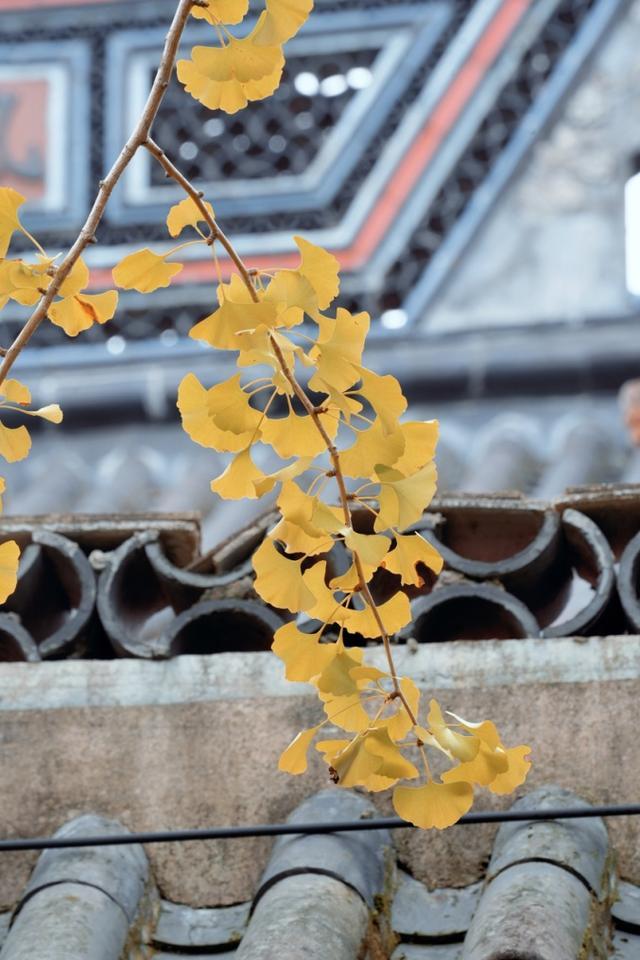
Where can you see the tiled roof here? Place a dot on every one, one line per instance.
(549, 893)
(513, 568)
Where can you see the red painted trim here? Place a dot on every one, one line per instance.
(405, 176)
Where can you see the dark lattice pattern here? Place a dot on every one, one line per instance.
(281, 135)
(273, 119)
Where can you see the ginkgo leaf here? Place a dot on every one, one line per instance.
(325, 606)
(394, 765)
(51, 412)
(294, 758)
(76, 280)
(318, 266)
(400, 723)
(296, 433)
(345, 404)
(402, 499)
(353, 764)
(482, 770)
(335, 678)
(220, 418)
(338, 350)
(279, 580)
(421, 437)
(15, 392)
(346, 712)
(10, 203)
(293, 295)
(9, 560)
(371, 448)
(23, 282)
(186, 213)
(269, 480)
(516, 773)
(259, 347)
(395, 613)
(227, 77)
(3, 487)
(438, 805)
(221, 328)
(410, 550)
(78, 313)
(371, 548)
(215, 12)
(296, 530)
(15, 443)
(456, 744)
(486, 730)
(283, 20)
(239, 479)
(384, 395)
(144, 271)
(303, 655)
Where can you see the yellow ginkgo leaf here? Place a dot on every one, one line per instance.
(239, 479)
(325, 607)
(486, 730)
(15, 392)
(51, 412)
(394, 765)
(371, 548)
(456, 744)
(385, 396)
(294, 758)
(421, 437)
(77, 313)
(338, 350)
(23, 282)
(318, 266)
(9, 560)
(10, 203)
(482, 770)
(186, 213)
(410, 550)
(144, 271)
(346, 712)
(283, 20)
(371, 448)
(226, 78)
(353, 765)
(279, 580)
(216, 12)
(221, 328)
(269, 480)
(335, 678)
(3, 487)
(15, 443)
(293, 296)
(403, 499)
(345, 404)
(220, 418)
(296, 434)
(76, 280)
(296, 530)
(515, 774)
(395, 613)
(303, 655)
(399, 724)
(259, 347)
(438, 805)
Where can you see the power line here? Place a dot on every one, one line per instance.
(280, 829)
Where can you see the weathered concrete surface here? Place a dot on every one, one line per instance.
(214, 762)
(554, 246)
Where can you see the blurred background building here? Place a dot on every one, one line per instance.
(474, 164)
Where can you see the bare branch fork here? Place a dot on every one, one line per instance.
(135, 141)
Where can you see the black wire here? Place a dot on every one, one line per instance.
(279, 829)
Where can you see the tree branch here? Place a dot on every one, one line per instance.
(196, 195)
(87, 233)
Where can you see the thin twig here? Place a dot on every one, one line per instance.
(196, 195)
(87, 233)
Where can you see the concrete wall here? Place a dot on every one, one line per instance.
(553, 248)
(194, 742)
